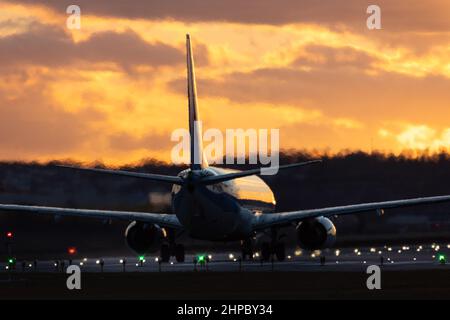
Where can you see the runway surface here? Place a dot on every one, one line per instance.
(407, 272)
(348, 259)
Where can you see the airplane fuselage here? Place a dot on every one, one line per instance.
(223, 211)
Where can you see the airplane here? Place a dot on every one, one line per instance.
(216, 204)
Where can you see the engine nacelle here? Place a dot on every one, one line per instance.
(317, 233)
(144, 238)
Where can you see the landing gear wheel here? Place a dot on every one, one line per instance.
(246, 250)
(165, 253)
(280, 251)
(179, 253)
(265, 251)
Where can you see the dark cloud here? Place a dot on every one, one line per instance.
(51, 46)
(337, 91)
(411, 15)
(128, 48)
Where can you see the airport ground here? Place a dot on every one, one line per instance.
(407, 272)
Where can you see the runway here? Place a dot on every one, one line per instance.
(346, 259)
(406, 272)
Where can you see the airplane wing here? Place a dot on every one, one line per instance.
(283, 218)
(163, 220)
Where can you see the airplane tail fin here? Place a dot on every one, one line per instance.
(198, 161)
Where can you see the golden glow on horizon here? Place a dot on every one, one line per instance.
(129, 111)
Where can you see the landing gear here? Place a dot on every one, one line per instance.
(165, 253)
(280, 251)
(265, 251)
(275, 247)
(168, 251)
(172, 249)
(246, 249)
(179, 253)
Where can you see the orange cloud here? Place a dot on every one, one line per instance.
(115, 89)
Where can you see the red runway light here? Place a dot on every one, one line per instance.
(72, 250)
(9, 234)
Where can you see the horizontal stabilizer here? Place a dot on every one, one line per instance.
(235, 175)
(148, 176)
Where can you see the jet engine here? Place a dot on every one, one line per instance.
(317, 233)
(144, 238)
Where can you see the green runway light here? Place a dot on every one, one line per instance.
(141, 258)
(442, 258)
(201, 258)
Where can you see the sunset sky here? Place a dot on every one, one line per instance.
(114, 90)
